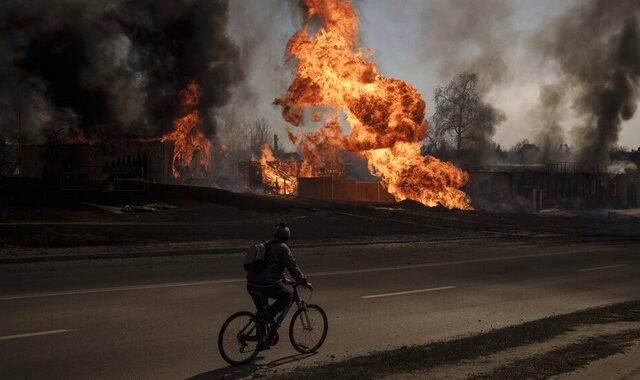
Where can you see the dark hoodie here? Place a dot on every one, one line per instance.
(279, 258)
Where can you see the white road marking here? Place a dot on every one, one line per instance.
(442, 264)
(121, 289)
(241, 280)
(605, 267)
(28, 335)
(408, 292)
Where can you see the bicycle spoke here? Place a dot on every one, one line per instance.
(308, 329)
(239, 340)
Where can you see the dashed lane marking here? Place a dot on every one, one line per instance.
(601, 268)
(408, 292)
(29, 335)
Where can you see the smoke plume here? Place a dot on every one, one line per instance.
(110, 68)
(545, 118)
(597, 49)
(262, 58)
(469, 36)
(472, 37)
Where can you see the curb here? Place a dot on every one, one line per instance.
(237, 250)
(196, 252)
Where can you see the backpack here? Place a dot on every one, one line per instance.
(255, 259)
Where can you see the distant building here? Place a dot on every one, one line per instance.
(561, 185)
(113, 165)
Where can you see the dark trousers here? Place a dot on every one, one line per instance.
(260, 295)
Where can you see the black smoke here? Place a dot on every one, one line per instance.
(597, 49)
(110, 68)
(545, 119)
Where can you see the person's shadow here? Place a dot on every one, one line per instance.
(248, 370)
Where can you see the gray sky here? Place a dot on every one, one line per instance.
(399, 33)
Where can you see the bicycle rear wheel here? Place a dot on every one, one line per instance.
(308, 329)
(239, 338)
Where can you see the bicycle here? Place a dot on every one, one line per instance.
(245, 334)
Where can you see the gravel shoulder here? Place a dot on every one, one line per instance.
(534, 350)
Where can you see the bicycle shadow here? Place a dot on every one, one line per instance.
(249, 370)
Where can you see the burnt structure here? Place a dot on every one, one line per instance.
(288, 174)
(343, 189)
(284, 174)
(129, 165)
(558, 185)
(124, 165)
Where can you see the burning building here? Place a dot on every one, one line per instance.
(275, 172)
(111, 74)
(182, 155)
(272, 173)
(354, 116)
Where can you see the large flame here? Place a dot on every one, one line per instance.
(386, 115)
(187, 133)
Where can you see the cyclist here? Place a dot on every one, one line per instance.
(271, 283)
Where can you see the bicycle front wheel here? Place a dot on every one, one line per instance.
(239, 338)
(308, 328)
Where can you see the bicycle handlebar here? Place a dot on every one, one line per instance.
(293, 283)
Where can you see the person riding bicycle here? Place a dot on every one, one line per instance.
(271, 282)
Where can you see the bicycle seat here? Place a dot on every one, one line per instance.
(291, 282)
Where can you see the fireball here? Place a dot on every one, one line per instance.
(385, 115)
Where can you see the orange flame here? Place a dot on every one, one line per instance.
(281, 176)
(386, 115)
(79, 138)
(187, 133)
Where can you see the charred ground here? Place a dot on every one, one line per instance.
(170, 219)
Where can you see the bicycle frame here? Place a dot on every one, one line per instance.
(258, 337)
(295, 299)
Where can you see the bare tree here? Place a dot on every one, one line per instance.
(461, 115)
(235, 137)
(246, 138)
(438, 141)
(259, 134)
(435, 136)
(456, 107)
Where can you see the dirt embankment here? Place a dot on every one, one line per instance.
(200, 217)
(533, 350)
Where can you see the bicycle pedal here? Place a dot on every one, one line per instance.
(273, 338)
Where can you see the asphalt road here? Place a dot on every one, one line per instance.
(158, 318)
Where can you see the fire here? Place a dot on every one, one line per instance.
(281, 176)
(187, 133)
(79, 138)
(386, 115)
